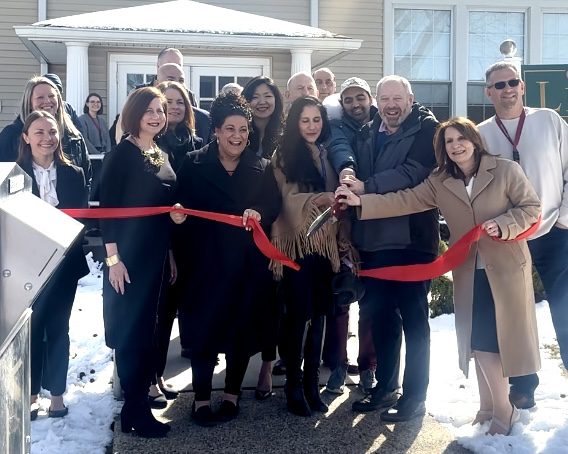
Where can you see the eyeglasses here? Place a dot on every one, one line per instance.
(500, 85)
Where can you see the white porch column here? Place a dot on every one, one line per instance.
(301, 61)
(77, 79)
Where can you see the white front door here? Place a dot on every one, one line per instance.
(205, 76)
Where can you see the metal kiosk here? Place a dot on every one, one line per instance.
(34, 238)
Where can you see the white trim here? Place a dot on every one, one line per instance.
(314, 13)
(157, 39)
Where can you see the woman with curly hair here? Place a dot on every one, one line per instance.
(306, 181)
(226, 277)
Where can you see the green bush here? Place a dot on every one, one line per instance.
(441, 296)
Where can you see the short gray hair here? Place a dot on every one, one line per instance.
(294, 76)
(402, 80)
(502, 65)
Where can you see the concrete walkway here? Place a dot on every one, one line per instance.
(266, 427)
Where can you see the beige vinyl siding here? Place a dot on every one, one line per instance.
(17, 65)
(290, 10)
(360, 20)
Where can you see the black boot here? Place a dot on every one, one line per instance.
(312, 355)
(296, 334)
(296, 401)
(139, 417)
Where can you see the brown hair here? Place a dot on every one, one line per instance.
(135, 108)
(25, 150)
(189, 118)
(468, 129)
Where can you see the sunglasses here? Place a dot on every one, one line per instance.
(500, 85)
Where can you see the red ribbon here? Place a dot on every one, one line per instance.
(449, 260)
(258, 235)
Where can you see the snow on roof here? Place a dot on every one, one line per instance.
(188, 17)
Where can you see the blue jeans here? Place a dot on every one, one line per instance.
(550, 257)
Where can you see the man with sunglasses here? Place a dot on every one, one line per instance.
(538, 140)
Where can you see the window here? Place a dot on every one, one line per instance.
(422, 54)
(210, 86)
(487, 30)
(555, 38)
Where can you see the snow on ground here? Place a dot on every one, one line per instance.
(452, 398)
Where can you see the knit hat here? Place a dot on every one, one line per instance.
(56, 80)
(355, 82)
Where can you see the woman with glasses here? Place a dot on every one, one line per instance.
(94, 125)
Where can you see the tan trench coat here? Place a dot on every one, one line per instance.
(503, 193)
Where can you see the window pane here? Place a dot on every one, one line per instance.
(207, 87)
(435, 96)
(224, 80)
(555, 38)
(205, 105)
(487, 30)
(133, 80)
(422, 41)
(479, 107)
(242, 81)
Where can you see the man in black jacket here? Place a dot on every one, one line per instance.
(393, 152)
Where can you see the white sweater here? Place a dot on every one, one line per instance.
(543, 151)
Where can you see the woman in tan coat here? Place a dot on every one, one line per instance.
(493, 292)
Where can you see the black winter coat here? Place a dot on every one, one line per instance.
(227, 279)
(405, 160)
(74, 147)
(126, 181)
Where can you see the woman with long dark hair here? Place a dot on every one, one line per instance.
(495, 321)
(61, 184)
(306, 181)
(136, 174)
(267, 108)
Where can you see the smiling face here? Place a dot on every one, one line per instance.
(153, 120)
(94, 105)
(311, 124)
(459, 149)
(176, 107)
(356, 104)
(43, 139)
(508, 100)
(262, 102)
(44, 97)
(232, 136)
(395, 104)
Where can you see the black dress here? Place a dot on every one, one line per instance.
(127, 180)
(177, 144)
(226, 277)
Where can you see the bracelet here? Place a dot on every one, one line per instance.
(112, 260)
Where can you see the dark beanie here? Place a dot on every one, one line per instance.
(56, 80)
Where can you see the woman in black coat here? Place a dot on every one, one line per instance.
(136, 174)
(56, 181)
(227, 277)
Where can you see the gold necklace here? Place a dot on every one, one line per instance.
(153, 155)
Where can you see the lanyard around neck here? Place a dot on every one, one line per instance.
(514, 142)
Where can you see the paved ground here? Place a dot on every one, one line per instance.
(266, 427)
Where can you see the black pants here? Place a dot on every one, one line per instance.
(308, 299)
(203, 366)
(49, 344)
(550, 257)
(167, 310)
(135, 372)
(396, 307)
